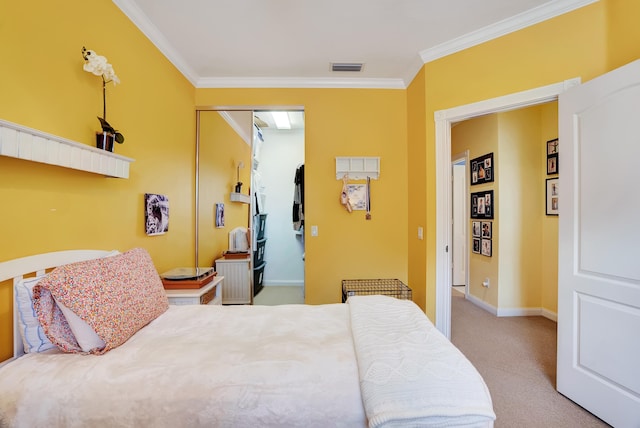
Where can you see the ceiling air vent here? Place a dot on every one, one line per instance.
(346, 66)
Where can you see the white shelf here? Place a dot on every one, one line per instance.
(240, 197)
(358, 168)
(29, 144)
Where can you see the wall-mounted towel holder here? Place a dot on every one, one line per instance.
(357, 168)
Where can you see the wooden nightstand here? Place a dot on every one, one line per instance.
(209, 294)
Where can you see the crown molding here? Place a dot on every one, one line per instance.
(412, 71)
(297, 82)
(518, 22)
(534, 16)
(140, 20)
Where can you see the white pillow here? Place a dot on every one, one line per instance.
(85, 335)
(33, 338)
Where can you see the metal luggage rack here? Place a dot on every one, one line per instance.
(387, 287)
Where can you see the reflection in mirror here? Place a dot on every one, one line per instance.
(234, 156)
(223, 160)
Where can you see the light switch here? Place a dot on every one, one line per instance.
(420, 233)
(314, 230)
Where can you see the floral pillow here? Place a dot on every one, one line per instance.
(115, 296)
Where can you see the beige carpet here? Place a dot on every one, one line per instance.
(272, 295)
(517, 358)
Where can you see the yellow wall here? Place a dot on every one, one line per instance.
(220, 150)
(623, 44)
(344, 122)
(480, 137)
(43, 86)
(416, 160)
(520, 208)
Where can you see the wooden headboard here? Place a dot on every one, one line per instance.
(37, 265)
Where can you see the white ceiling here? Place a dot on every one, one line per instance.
(291, 43)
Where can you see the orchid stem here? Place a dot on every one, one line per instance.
(104, 99)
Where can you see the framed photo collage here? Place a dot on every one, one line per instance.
(482, 205)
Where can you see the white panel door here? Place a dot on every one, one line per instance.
(599, 246)
(459, 225)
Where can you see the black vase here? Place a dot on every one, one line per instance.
(104, 141)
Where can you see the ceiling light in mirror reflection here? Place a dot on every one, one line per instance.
(282, 119)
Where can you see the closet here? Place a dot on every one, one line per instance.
(278, 238)
(232, 148)
(259, 223)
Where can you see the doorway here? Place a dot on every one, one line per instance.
(225, 173)
(278, 206)
(459, 265)
(444, 120)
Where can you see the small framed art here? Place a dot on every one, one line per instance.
(156, 214)
(357, 196)
(482, 204)
(552, 156)
(486, 229)
(476, 245)
(475, 229)
(482, 169)
(552, 193)
(486, 247)
(219, 214)
(552, 164)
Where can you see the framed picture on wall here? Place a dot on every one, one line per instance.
(156, 214)
(475, 229)
(482, 204)
(476, 245)
(357, 196)
(552, 164)
(482, 169)
(219, 214)
(486, 247)
(486, 229)
(552, 156)
(552, 193)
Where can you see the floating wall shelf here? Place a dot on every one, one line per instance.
(29, 144)
(240, 197)
(358, 168)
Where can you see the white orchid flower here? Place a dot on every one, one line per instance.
(98, 65)
(110, 75)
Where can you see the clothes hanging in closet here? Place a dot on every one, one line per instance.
(298, 199)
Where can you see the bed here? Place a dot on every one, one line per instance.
(374, 361)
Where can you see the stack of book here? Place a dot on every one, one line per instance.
(186, 278)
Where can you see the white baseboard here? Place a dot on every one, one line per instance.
(518, 312)
(484, 305)
(553, 316)
(513, 312)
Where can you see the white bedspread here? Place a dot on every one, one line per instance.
(410, 374)
(257, 366)
(199, 366)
